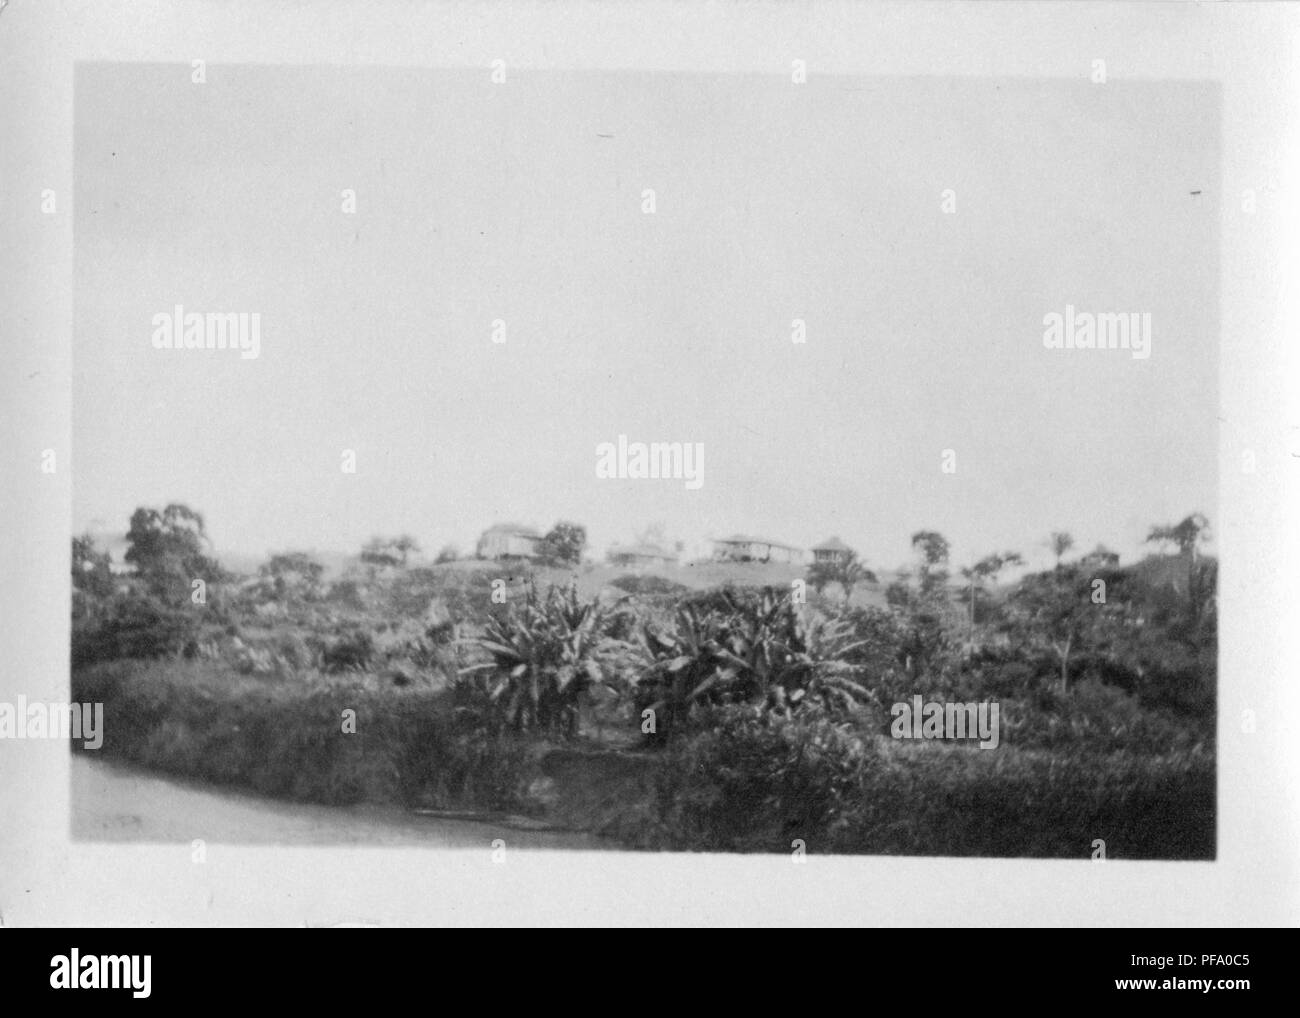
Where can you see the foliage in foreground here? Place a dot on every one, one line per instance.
(409, 747)
(758, 782)
(135, 625)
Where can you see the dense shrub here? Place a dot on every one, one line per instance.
(754, 781)
(347, 593)
(351, 651)
(1095, 717)
(412, 591)
(132, 625)
(466, 594)
(296, 652)
(409, 747)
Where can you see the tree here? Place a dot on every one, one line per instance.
(406, 546)
(91, 568)
(926, 608)
(293, 574)
(378, 553)
(1203, 581)
(1162, 537)
(565, 543)
(934, 550)
(1187, 535)
(920, 613)
(168, 550)
(1060, 542)
(1057, 608)
(448, 553)
(850, 572)
(1006, 560)
(847, 570)
(821, 575)
(987, 569)
(389, 552)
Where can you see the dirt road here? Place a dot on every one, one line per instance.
(117, 802)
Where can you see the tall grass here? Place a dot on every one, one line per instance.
(287, 739)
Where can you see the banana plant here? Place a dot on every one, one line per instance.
(546, 654)
(687, 665)
(766, 653)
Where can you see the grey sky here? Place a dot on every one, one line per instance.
(774, 201)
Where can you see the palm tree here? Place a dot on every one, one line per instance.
(1060, 542)
(821, 575)
(988, 568)
(934, 550)
(850, 572)
(1188, 535)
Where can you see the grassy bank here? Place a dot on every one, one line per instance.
(200, 719)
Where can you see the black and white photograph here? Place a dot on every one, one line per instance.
(557, 460)
(796, 502)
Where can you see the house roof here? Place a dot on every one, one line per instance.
(832, 544)
(747, 539)
(512, 528)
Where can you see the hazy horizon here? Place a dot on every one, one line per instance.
(522, 201)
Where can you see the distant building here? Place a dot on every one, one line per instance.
(1100, 557)
(509, 540)
(640, 556)
(831, 552)
(743, 548)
